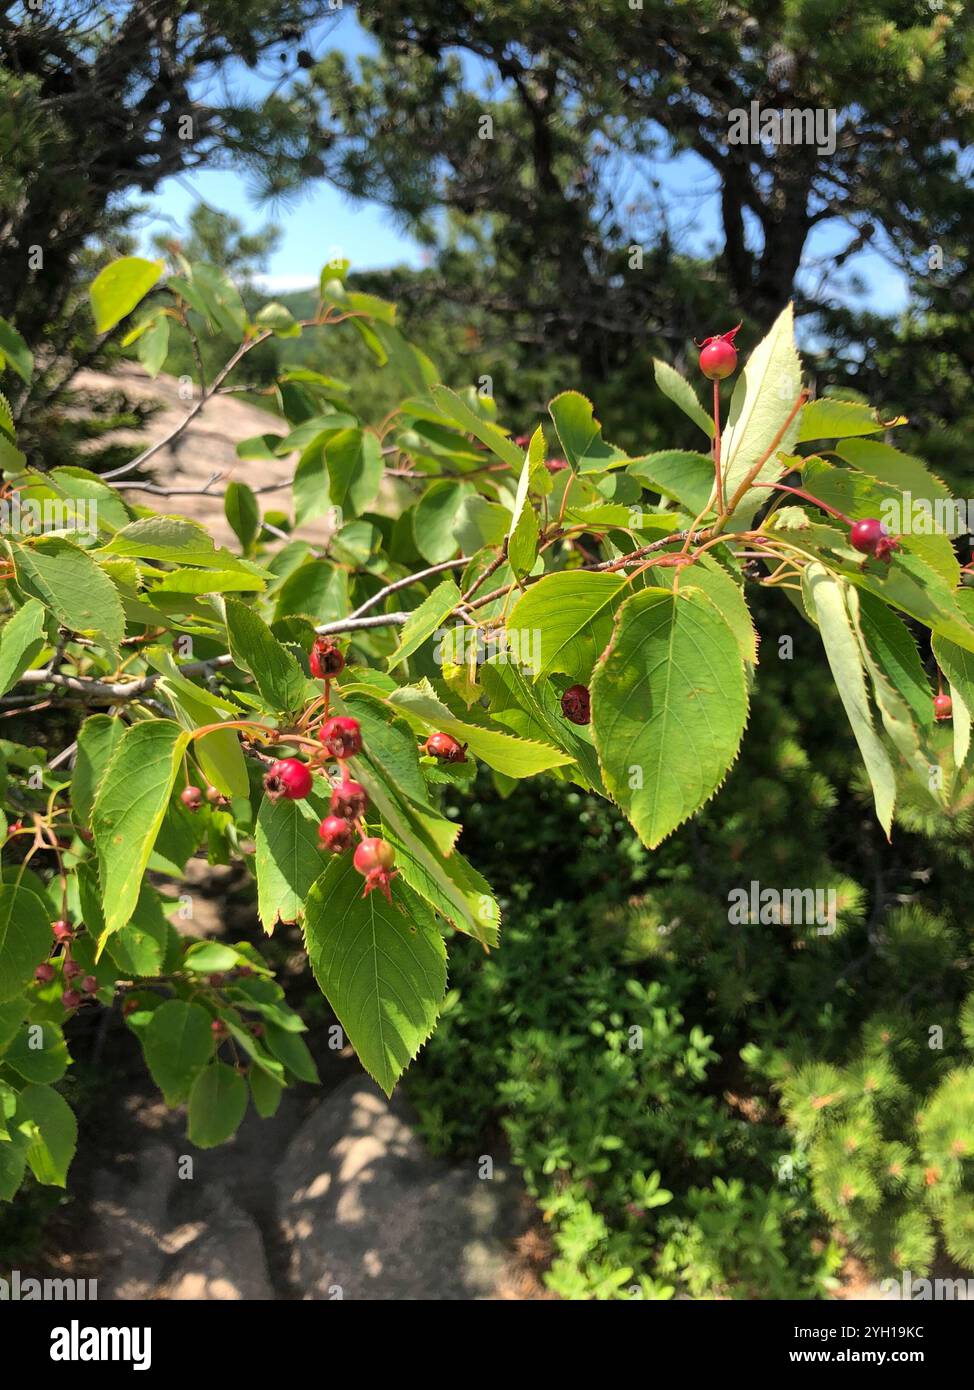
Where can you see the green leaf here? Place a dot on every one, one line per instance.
(14, 352)
(424, 621)
(480, 523)
(681, 393)
(290, 1049)
(682, 476)
(177, 541)
(129, 807)
(98, 738)
(497, 442)
(858, 495)
(354, 461)
(254, 647)
(222, 299)
(581, 434)
(209, 957)
(315, 431)
(309, 487)
(569, 616)
(381, 966)
(514, 756)
(178, 1044)
(38, 1053)
(20, 641)
(153, 346)
(140, 948)
(279, 319)
(288, 859)
(434, 519)
(764, 397)
(958, 666)
(195, 582)
(67, 581)
(242, 512)
(217, 1104)
(25, 938)
(534, 711)
(13, 1166)
(910, 475)
(46, 1120)
(894, 651)
(317, 589)
(522, 535)
(728, 595)
(827, 601)
(219, 754)
(265, 1092)
(669, 705)
(827, 418)
(117, 289)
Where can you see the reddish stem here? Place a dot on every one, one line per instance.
(717, 476)
(800, 492)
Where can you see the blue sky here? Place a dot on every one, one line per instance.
(324, 221)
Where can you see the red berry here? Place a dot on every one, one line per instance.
(373, 854)
(44, 973)
(62, 929)
(217, 1027)
(71, 969)
(325, 659)
(576, 704)
(192, 798)
(870, 537)
(374, 859)
(943, 706)
(718, 355)
(342, 737)
(288, 778)
(70, 998)
(446, 748)
(556, 465)
(89, 984)
(349, 801)
(336, 834)
(130, 1006)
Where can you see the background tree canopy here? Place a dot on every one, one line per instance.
(584, 110)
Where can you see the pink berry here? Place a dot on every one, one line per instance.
(290, 778)
(349, 801)
(446, 748)
(192, 798)
(374, 859)
(336, 834)
(70, 998)
(62, 929)
(90, 984)
(342, 737)
(943, 706)
(44, 973)
(325, 659)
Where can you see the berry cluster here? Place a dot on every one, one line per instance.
(373, 858)
(72, 996)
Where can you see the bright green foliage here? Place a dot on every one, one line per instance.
(468, 580)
